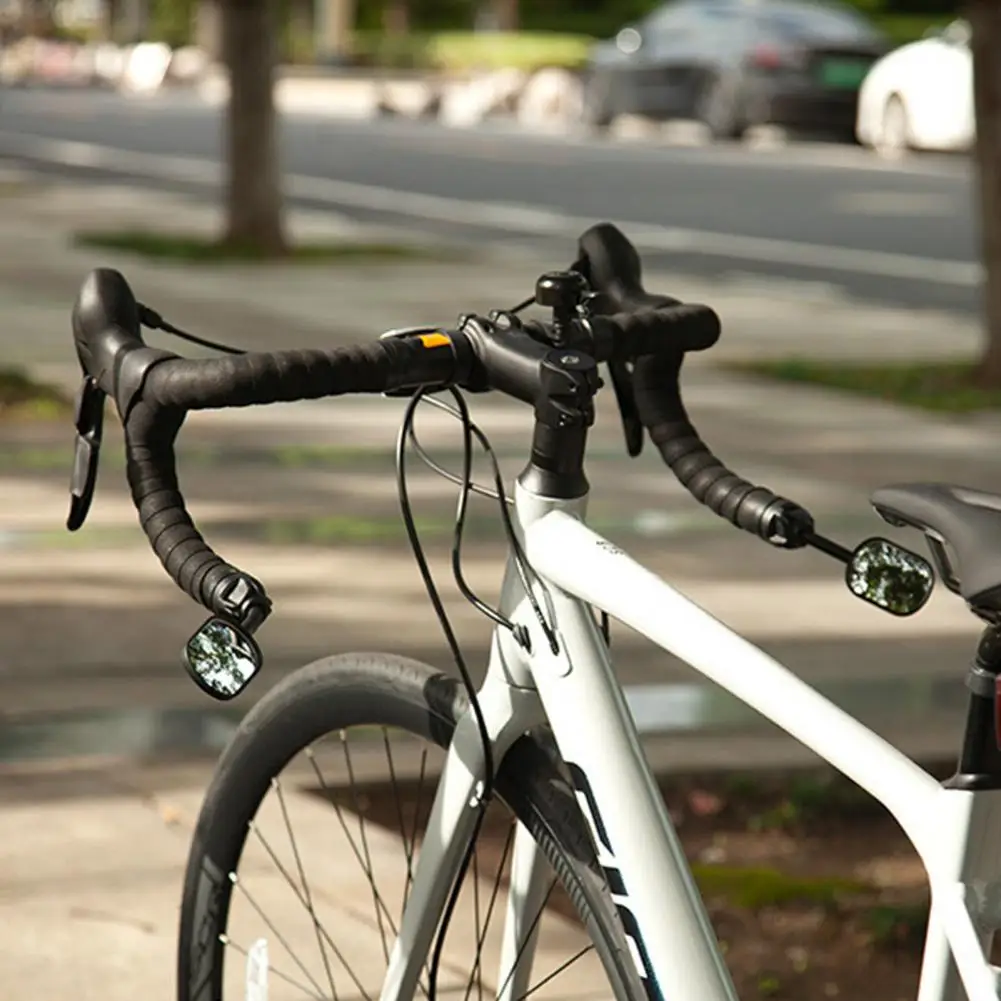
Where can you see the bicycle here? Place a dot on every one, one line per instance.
(586, 808)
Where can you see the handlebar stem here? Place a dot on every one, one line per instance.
(564, 410)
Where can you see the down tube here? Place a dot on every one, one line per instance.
(567, 553)
(671, 939)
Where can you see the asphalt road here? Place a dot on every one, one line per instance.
(902, 234)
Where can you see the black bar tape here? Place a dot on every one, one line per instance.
(286, 376)
(175, 385)
(754, 509)
(152, 474)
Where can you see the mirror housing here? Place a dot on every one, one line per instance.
(887, 575)
(629, 40)
(222, 659)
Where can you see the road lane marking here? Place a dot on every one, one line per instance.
(897, 203)
(509, 217)
(670, 138)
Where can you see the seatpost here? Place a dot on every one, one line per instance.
(980, 759)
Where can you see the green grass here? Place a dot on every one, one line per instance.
(753, 888)
(190, 249)
(346, 529)
(769, 986)
(498, 50)
(947, 387)
(459, 51)
(904, 28)
(21, 397)
(898, 926)
(330, 456)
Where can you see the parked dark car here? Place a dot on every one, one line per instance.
(733, 64)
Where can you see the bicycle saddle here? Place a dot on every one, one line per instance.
(967, 521)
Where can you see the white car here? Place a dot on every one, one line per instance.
(920, 96)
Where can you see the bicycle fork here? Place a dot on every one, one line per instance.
(507, 711)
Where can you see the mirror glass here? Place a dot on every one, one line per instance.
(222, 659)
(890, 577)
(628, 40)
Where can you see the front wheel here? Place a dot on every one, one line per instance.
(318, 863)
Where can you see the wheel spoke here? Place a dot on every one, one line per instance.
(478, 968)
(480, 932)
(559, 969)
(399, 807)
(412, 846)
(276, 785)
(408, 850)
(288, 878)
(526, 939)
(328, 794)
(364, 844)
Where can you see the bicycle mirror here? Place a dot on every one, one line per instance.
(890, 577)
(222, 659)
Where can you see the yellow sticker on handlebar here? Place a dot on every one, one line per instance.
(434, 340)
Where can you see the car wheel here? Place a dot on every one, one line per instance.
(596, 110)
(719, 109)
(894, 137)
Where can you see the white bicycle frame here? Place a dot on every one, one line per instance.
(956, 832)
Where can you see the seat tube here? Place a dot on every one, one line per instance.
(971, 821)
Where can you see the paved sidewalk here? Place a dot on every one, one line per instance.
(303, 495)
(93, 861)
(93, 842)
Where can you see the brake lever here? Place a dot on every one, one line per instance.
(625, 396)
(89, 424)
(622, 378)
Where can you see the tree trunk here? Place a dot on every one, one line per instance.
(208, 28)
(37, 19)
(506, 15)
(301, 30)
(335, 24)
(134, 16)
(985, 24)
(254, 197)
(109, 23)
(396, 17)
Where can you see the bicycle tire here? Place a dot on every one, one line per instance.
(348, 690)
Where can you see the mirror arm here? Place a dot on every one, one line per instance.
(829, 547)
